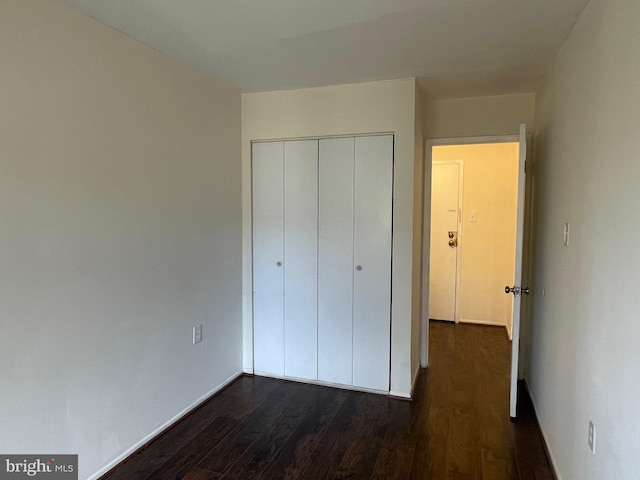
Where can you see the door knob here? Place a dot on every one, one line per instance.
(359, 267)
(515, 290)
(279, 264)
(452, 243)
(452, 234)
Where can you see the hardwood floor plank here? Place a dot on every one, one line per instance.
(266, 447)
(367, 430)
(323, 462)
(253, 426)
(197, 474)
(457, 426)
(297, 452)
(188, 456)
(395, 456)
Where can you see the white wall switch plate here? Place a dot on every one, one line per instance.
(473, 215)
(197, 334)
(591, 439)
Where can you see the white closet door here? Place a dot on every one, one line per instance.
(300, 258)
(335, 260)
(372, 257)
(268, 257)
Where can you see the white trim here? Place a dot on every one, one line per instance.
(424, 341)
(404, 396)
(426, 227)
(321, 137)
(488, 323)
(120, 458)
(554, 464)
(414, 381)
(434, 142)
(482, 322)
(329, 384)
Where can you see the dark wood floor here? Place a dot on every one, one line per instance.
(457, 426)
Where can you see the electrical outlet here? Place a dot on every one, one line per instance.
(592, 437)
(197, 334)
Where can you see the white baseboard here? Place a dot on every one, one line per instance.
(486, 322)
(329, 384)
(163, 427)
(403, 395)
(482, 322)
(554, 465)
(414, 380)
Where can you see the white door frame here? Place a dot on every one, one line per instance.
(460, 163)
(426, 227)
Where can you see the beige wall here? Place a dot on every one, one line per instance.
(478, 116)
(487, 246)
(585, 354)
(344, 110)
(120, 214)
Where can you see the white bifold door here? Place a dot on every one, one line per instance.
(322, 259)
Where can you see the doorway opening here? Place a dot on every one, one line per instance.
(474, 199)
(467, 216)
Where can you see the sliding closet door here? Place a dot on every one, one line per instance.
(300, 258)
(372, 258)
(268, 257)
(335, 260)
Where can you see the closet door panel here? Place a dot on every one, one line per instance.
(372, 257)
(268, 257)
(335, 260)
(300, 258)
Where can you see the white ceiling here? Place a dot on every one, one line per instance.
(455, 47)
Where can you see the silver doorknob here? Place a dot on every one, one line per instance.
(515, 290)
(279, 264)
(359, 267)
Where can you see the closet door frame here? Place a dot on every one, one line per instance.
(386, 390)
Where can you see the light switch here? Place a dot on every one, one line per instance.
(566, 234)
(473, 216)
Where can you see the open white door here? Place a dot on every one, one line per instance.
(517, 289)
